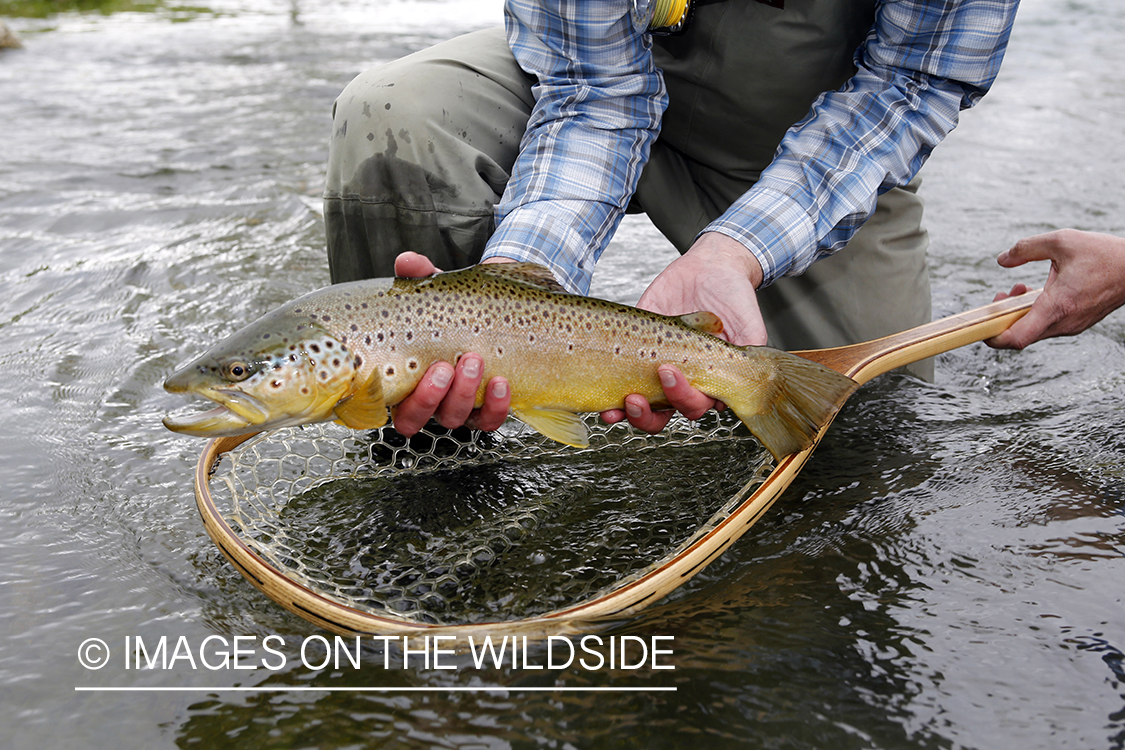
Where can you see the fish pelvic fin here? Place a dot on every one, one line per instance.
(800, 398)
(562, 426)
(708, 322)
(365, 409)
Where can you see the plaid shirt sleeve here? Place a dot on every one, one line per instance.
(599, 100)
(922, 63)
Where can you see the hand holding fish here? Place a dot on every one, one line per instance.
(1086, 282)
(447, 392)
(716, 274)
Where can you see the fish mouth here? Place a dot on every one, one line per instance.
(237, 413)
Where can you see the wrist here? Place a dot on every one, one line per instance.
(732, 252)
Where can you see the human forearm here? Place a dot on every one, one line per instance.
(923, 63)
(599, 100)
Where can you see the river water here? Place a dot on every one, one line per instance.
(946, 573)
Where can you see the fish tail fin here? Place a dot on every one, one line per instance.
(798, 398)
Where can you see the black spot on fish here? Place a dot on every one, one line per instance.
(390, 371)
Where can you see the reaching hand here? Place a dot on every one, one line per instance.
(1086, 282)
(448, 392)
(719, 275)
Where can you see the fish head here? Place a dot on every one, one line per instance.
(281, 371)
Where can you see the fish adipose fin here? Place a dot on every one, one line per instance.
(563, 426)
(365, 409)
(708, 322)
(528, 274)
(801, 399)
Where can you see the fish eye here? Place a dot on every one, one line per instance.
(237, 371)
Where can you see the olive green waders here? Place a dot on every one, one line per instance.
(422, 148)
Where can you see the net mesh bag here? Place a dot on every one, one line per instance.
(462, 526)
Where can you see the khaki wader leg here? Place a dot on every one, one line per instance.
(421, 150)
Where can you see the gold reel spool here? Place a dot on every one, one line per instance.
(666, 16)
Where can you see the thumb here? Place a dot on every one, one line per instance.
(1039, 247)
(1026, 331)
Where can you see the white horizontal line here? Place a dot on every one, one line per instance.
(299, 688)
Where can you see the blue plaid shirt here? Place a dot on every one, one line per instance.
(599, 100)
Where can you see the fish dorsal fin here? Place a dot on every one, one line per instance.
(365, 408)
(708, 322)
(528, 274)
(563, 426)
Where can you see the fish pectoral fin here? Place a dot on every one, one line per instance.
(708, 322)
(563, 426)
(365, 409)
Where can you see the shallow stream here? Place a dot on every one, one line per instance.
(946, 573)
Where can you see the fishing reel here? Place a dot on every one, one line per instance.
(663, 17)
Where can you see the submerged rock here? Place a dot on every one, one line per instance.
(8, 38)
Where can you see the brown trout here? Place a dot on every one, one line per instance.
(349, 351)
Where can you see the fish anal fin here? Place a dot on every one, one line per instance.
(365, 409)
(528, 274)
(800, 399)
(708, 322)
(562, 426)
